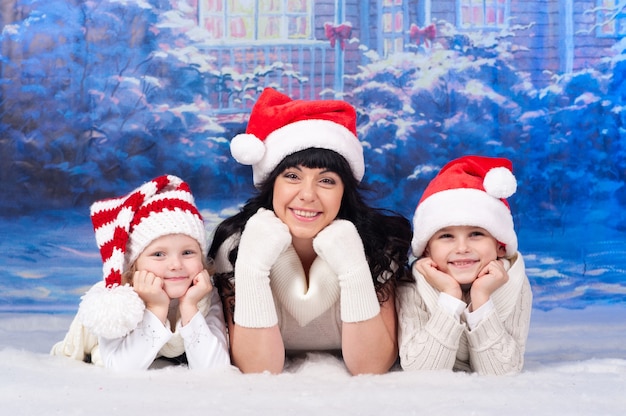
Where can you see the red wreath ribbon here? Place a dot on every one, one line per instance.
(339, 33)
(425, 35)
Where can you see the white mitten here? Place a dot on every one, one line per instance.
(263, 239)
(340, 245)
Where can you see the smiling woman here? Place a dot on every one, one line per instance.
(306, 265)
(307, 200)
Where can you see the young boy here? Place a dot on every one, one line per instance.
(469, 308)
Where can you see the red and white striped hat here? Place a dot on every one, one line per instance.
(124, 227)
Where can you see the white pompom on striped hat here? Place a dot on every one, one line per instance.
(124, 227)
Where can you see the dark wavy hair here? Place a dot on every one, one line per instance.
(386, 235)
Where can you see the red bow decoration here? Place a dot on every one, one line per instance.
(340, 32)
(425, 35)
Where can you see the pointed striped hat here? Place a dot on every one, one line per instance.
(125, 226)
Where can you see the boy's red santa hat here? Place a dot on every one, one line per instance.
(124, 227)
(469, 191)
(280, 126)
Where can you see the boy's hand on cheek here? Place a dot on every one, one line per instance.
(436, 278)
(149, 287)
(491, 277)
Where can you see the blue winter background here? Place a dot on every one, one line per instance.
(97, 97)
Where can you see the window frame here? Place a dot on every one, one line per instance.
(619, 20)
(506, 15)
(225, 18)
(397, 39)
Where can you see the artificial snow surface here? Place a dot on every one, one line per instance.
(575, 365)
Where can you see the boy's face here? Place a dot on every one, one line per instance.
(463, 251)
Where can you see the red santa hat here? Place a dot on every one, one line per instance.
(279, 126)
(124, 227)
(469, 191)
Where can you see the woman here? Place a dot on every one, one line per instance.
(306, 265)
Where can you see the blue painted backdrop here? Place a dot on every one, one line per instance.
(97, 97)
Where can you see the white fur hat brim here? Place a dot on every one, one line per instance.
(463, 207)
(294, 137)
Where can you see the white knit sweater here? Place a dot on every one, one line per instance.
(308, 312)
(430, 338)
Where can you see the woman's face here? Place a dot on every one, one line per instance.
(307, 200)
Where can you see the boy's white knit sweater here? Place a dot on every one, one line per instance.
(430, 337)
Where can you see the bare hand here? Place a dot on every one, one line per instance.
(200, 287)
(188, 303)
(149, 287)
(490, 278)
(436, 278)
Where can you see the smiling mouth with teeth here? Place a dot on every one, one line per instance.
(462, 263)
(306, 214)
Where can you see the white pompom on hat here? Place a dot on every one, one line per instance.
(469, 191)
(124, 227)
(279, 126)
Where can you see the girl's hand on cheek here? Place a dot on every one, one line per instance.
(200, 287)
(149, 287)
(188, 303)
(436, 278)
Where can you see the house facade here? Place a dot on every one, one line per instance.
(554, 36)
(306, 47)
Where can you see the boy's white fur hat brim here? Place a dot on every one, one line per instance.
(463, 207)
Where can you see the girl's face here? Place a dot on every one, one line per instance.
(176, 259)
(307, 200)
(463, 251)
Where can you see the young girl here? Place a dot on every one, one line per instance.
(307, 265)
(156, 299)
(469, 307)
